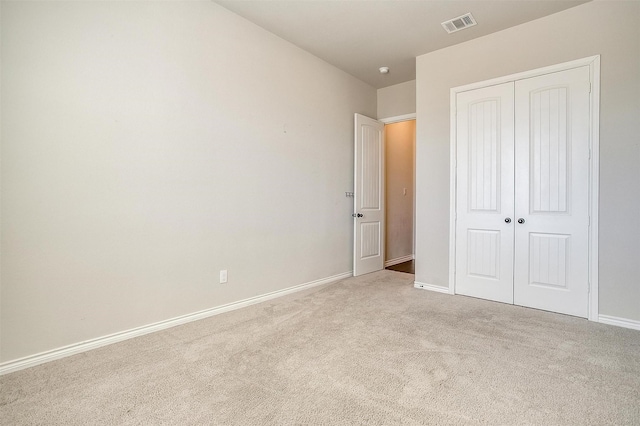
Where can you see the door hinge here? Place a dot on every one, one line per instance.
(590, 87)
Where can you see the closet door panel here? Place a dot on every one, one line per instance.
(484, 240)
(552, 192)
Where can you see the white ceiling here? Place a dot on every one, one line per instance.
(361, 36)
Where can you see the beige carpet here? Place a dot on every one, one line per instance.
(366, 350)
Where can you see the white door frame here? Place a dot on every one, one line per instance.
(398, 118)
(594, 166)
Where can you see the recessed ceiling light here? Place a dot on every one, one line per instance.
(384, 70)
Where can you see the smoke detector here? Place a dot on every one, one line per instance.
(459, 23)
(384, 70)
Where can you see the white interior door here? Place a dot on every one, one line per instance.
(552, 192)
(522, 192)
(368, 250)
(484, 203)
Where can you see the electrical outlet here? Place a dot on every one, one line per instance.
(223, 276)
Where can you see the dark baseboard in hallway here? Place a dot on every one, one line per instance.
(407, 267)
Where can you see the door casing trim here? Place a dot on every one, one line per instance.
(594, 165)
(398, 118)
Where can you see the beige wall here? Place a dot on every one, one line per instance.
(396, 100)
(148, 145)
(606, 28)
(399, 158)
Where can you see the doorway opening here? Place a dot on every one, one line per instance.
(399, 172)
(374, 247)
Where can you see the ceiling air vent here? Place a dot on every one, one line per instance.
(459, 23)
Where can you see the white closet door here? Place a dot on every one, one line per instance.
(484, 200)
(552, 192)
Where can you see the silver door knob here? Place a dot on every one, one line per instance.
(521, 220)
(507, 220)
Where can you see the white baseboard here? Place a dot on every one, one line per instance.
(397, 260)
(65, 351)
(620, 322)
(432, 287)
(604, 319)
